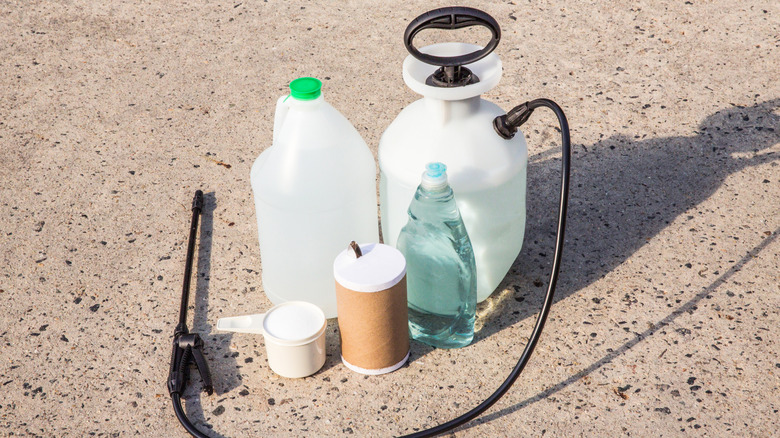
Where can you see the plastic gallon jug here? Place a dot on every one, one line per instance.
(441, 278)
(453, 125)
(314, 189)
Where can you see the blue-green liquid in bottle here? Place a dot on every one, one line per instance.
(440, 270)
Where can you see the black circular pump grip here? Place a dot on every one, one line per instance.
(453, 17)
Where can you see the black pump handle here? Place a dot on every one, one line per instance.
(453, 17)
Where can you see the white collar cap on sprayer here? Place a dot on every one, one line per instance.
(434, 179)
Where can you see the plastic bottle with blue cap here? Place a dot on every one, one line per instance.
(441, 274)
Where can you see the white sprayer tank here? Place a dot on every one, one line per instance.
(315, 191)
(486, 172)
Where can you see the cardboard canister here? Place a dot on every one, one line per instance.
(372, 313)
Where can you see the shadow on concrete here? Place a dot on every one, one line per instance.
(332, 347)
(222, 363)
(689, 307)
(624, 192)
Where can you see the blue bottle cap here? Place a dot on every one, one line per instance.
(435, 176)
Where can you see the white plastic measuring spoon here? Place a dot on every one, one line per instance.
(242, 324)
(294, 334)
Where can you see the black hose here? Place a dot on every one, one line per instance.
(177, 408)
(548, 299)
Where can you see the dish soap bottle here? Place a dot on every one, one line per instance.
(441, 274)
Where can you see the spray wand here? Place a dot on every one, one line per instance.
(187, 347)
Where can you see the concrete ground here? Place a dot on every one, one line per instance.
(666, 318)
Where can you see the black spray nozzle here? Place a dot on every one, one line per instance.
(197, 201)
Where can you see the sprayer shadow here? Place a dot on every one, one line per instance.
(624, 192)
(222, 364)
(688, 307)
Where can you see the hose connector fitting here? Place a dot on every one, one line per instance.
(506, 125)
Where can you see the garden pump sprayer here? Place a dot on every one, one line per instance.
(485, 154)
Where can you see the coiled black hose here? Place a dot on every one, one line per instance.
(177, 408)
(506, 126)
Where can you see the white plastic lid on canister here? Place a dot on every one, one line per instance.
(380, 267)
(294, 323)
(487, 69)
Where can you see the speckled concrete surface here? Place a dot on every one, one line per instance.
(666, 320)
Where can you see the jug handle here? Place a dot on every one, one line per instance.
(281, 113)
(242, 324)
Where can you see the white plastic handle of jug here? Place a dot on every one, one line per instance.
(242, 324)
(281, 113)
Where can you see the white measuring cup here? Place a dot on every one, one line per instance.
(294, 334)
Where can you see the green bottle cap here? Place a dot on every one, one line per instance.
(305, 88)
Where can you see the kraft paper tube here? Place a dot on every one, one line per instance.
(371, 300)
